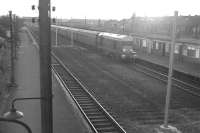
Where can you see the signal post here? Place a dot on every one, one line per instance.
(45, 66)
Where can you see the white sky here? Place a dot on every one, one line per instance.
(104, 9)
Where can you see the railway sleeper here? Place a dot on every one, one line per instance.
(71, 87)
(92, 110)
(87, 104)
(79, 93)
(84, 100)
(112, 132)
(106, 129)
(93, 113)
(82, 96)
(96, 121)
(88, 107)
(77, 90)
(103, 125)
(72, 82)
(96, 117)
(68, 78)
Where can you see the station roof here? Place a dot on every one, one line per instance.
(165, 38)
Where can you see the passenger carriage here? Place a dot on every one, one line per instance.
(114, 45)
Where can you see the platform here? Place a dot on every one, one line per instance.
(65, 118)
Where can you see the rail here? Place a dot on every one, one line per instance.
(163, 77)
(97, 117)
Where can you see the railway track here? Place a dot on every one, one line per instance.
(148, 115)
(145, 115)
(142, 115)
(97, 117)
(161, 75)
(189, 88)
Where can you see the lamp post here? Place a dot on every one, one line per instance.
(15, 35)
(14, 114)
(17, 122)
(12, 76)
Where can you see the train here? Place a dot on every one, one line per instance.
(113, 45)
(126, 47)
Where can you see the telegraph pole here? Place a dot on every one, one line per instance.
(123, 26)
(12, 76)
(15, 35)
(166, 128)
(45, 66)
(170, 73)
(72, 36)
(85, 21)
(56, 35)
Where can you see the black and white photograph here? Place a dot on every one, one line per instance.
(100, 66)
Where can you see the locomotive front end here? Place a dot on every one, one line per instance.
(128, 53)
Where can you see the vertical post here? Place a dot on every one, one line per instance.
(15, 35)
(45, 66)
(85, 21)
(72, 38)
(169, 83)
(132, 25)
(123, 26)
(12, 77)
(56, 35)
